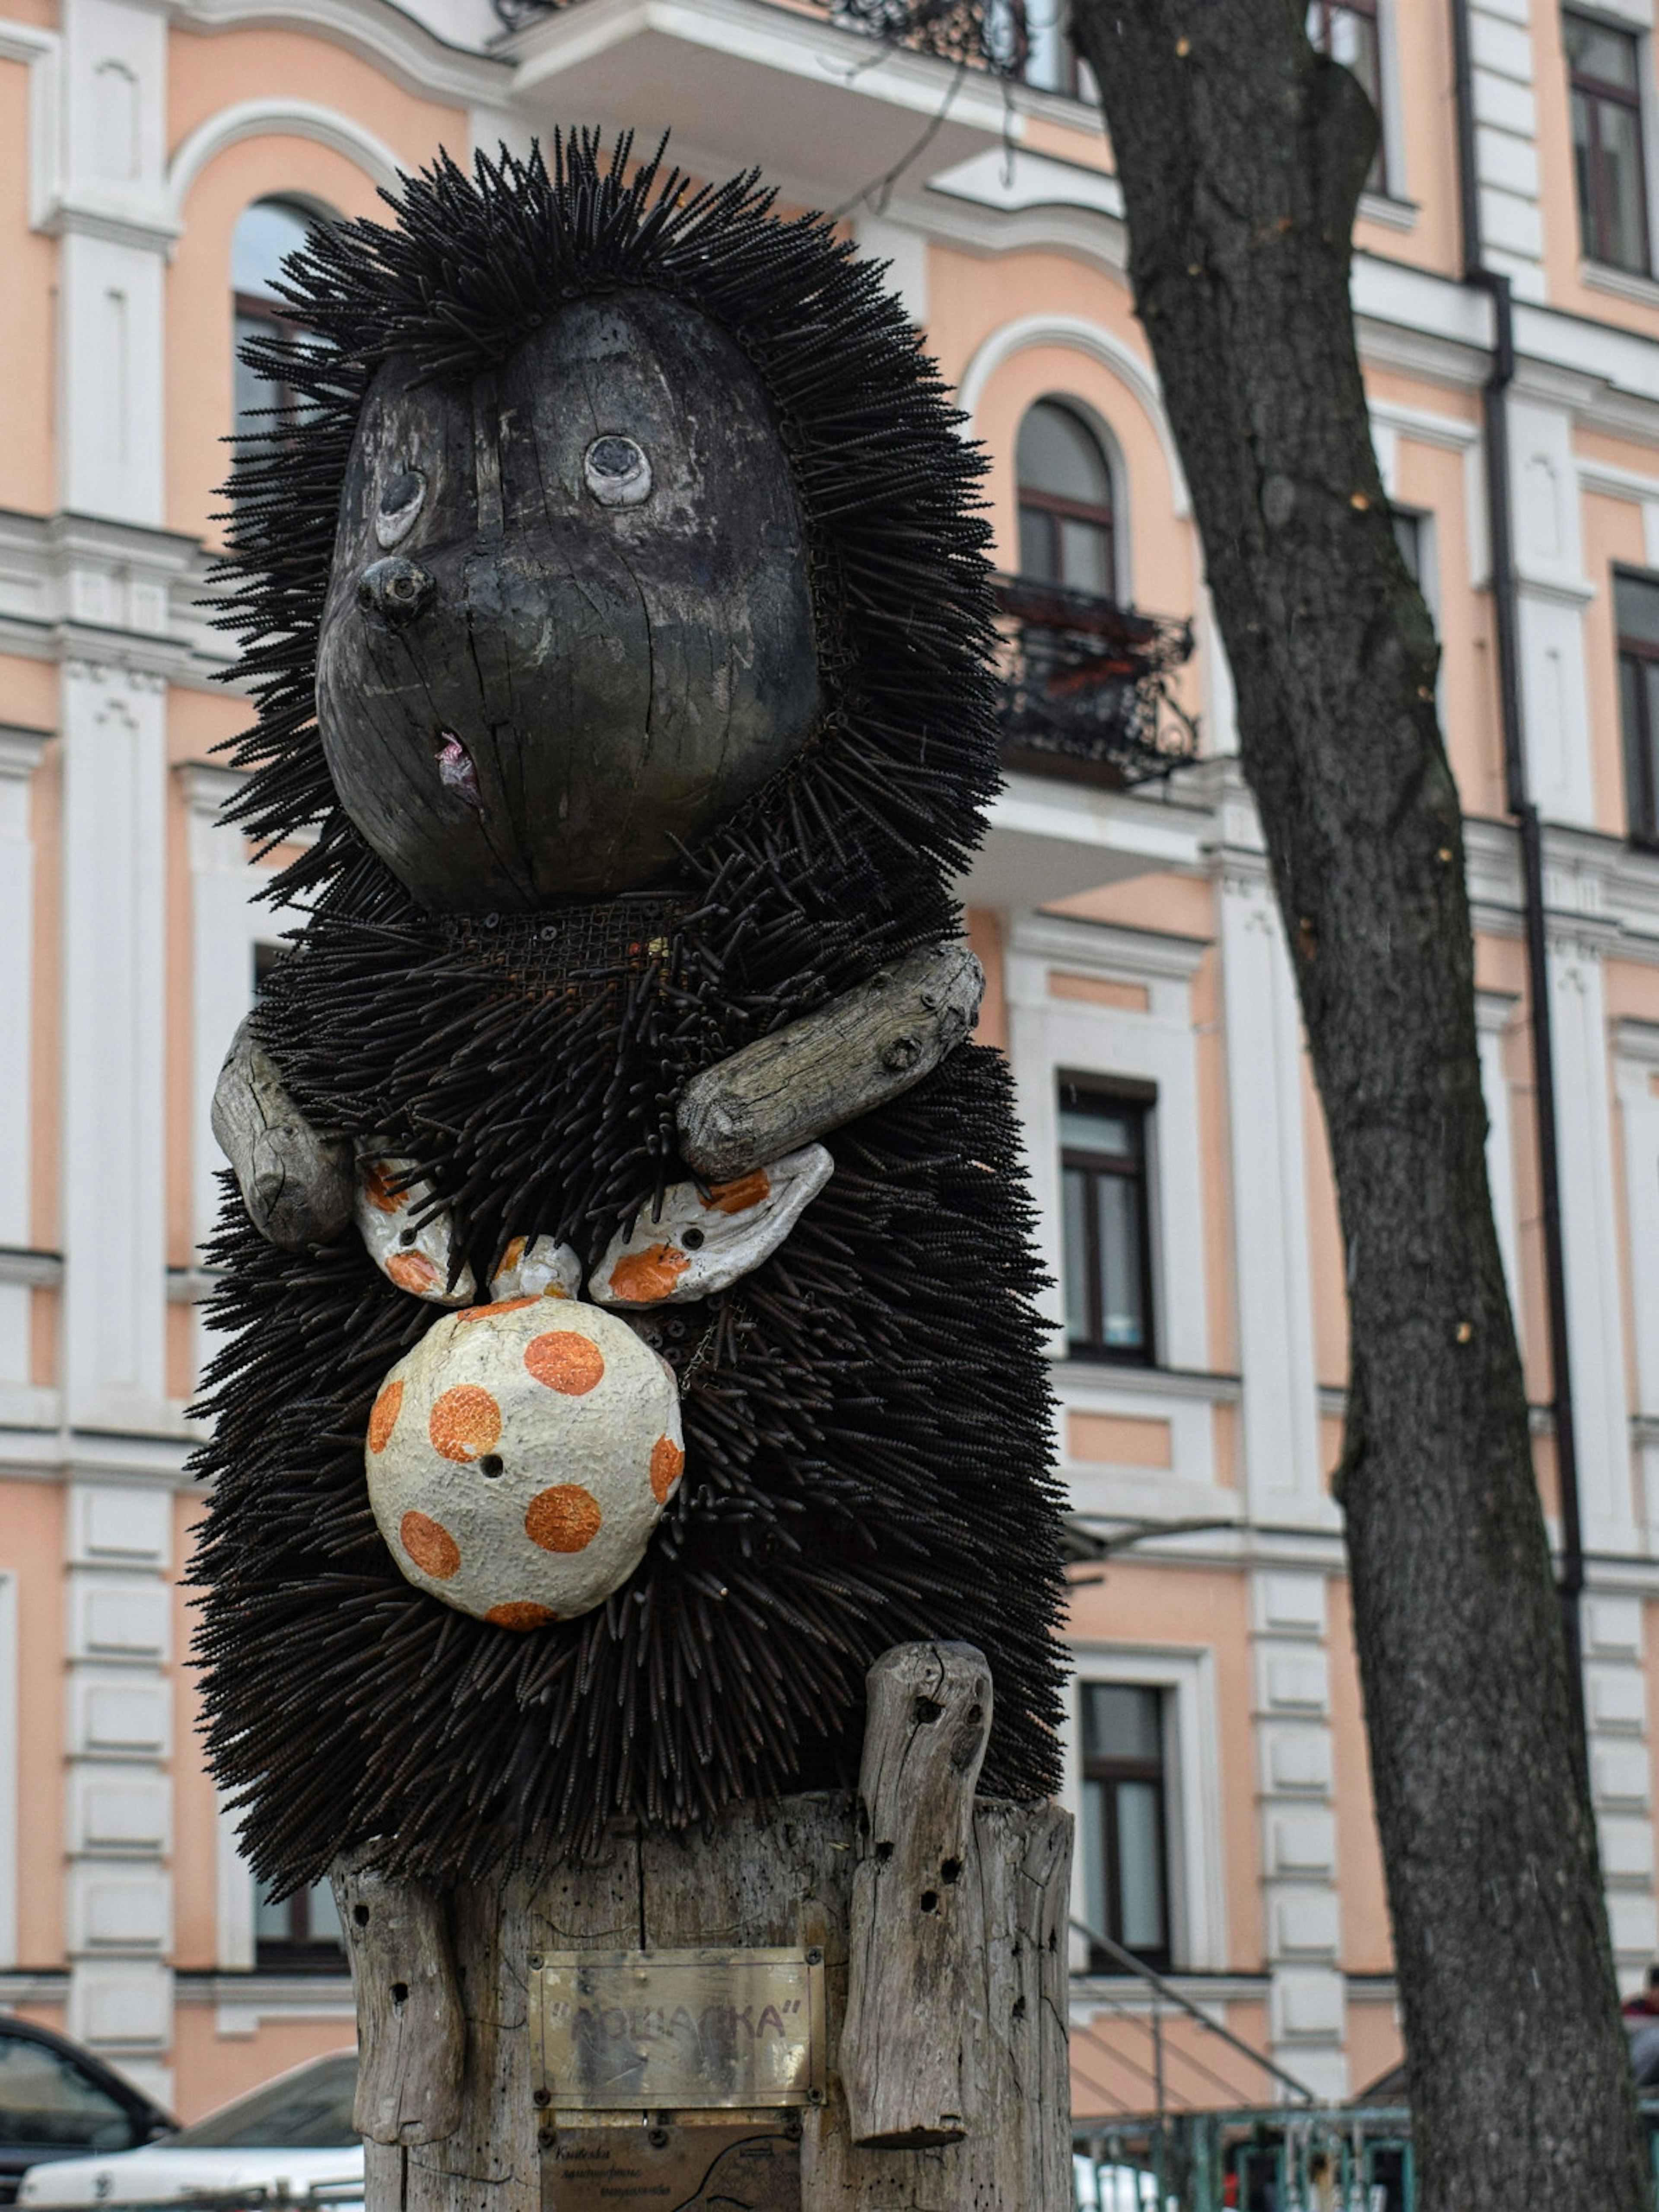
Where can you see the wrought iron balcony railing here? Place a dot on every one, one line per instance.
(1086, 687)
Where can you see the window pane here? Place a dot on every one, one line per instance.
(1092, 1122)
(1349, 35)
(1595, 51)
(272, 1924)
(1074, 1199)
(1123, 1322)
(1636, 795)
(46, 2099)
(1121, 1720)
(1583, 123)
(1636, 600)
(1036, 545)
(251, 391)
(1139, 1865)
(268, 232)
(1096, 1900)
(1648, 784)
(1057, 455)
(324, 1919)
(1085, 558)
(1408, 536)
(1624, 228)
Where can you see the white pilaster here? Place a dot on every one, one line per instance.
(1506, 150)
(1280, 1420)
(114, 1006)
(1638, 1078)
(20, 755)
(1591, 1241)
(1295, 1784)
(1616, 1716)
(1552, 592)
(119, 1893)
(111, 215)
(1493, 1015)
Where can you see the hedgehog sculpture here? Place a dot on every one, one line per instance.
(621, 1348)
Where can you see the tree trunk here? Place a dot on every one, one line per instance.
(1242, 153)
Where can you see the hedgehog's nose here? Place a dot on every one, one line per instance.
(396, 590)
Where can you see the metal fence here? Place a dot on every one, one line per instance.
(1281, 2158)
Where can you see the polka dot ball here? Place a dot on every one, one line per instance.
(520, 1457)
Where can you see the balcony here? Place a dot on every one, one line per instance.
(1086, 693)
(821, 107)
(1091, 733)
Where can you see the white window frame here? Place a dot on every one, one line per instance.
(1049, 1036)
(1117, 473)
(1192, 1790)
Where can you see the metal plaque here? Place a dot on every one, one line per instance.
(673, 2169)
(677, 2031)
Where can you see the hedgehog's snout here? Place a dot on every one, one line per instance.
(396, 590)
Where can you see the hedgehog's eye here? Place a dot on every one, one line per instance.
(618, 471)
(400, 502)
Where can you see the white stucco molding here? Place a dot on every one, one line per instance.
(1101, 346)
(423, 62)
(277, 118)
(41, 52)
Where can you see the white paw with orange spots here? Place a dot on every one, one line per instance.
(699, 1243)
(535, 1268)
(416, 1255)
(520, 1455)
(412, 1253)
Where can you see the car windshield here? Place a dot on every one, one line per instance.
(308, 2110)
(46, 2098)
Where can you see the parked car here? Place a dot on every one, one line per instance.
(58, 2102)
(289, 2137)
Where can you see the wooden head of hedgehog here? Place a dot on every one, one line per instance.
(626, 1268)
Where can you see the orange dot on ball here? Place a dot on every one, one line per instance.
(520, 1613)
(430, 1544)
(464, 1422)
(667, 1465)
(384, 1418)
(565, 1361)
(563, 1519)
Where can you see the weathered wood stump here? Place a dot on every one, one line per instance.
(932, 1924)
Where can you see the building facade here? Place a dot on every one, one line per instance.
(156, 157)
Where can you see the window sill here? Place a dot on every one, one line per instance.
(1621, 283)
(1125, 1375)
(1394, 214)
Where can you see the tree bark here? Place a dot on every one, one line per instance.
(1242, 153)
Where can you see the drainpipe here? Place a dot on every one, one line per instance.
(1570, 1581)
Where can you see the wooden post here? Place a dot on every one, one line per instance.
(916, 1993)
(788, 1875)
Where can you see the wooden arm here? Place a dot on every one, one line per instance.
(297, 1187)
(836, 1063)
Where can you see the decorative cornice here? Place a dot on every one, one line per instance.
(259, 118)
(1096, 344)
(1107, 948)
(421, 61)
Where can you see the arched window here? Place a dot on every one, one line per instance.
(1065, 502)
(268, 231)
